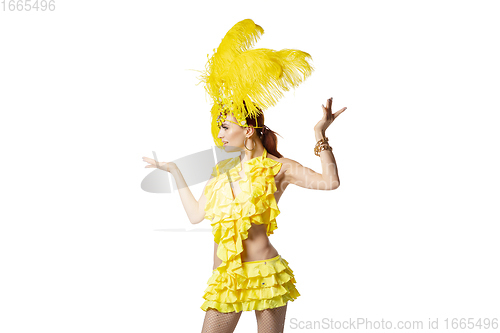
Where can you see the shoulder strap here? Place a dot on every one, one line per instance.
(264, 154)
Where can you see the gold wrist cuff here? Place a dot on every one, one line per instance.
(321, 145)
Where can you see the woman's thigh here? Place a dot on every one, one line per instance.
(220, 322)
(271, 320)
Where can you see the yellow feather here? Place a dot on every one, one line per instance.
(259, 76)
(237, 40)
(235, 75)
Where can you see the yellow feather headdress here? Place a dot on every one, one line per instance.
(242, 81)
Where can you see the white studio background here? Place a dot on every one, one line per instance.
(89, 89)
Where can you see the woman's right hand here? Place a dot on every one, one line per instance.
(165, 166)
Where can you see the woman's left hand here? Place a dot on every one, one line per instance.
(328, 116)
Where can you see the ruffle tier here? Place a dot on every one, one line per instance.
(269, 284)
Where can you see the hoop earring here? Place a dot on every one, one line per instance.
(244, 144)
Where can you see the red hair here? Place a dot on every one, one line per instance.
(266, 135)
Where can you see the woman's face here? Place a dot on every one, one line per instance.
(232, 134)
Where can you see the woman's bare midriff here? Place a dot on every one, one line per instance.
(257, 246)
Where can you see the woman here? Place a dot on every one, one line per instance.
(240, 199)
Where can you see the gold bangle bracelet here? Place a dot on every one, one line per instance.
(321, 141)
(319, 149)
(321, 145)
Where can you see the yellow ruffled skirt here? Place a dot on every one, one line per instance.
(270, 283)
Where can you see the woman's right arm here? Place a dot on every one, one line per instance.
(195, 210)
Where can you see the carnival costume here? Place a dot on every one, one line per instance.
(245, 82)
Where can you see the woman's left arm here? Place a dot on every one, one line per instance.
(329, 179)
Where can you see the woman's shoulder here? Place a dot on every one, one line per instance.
(286, 163)
(283, 160)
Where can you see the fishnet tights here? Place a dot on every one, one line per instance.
(268, 320)
(220, 322)
(271, 320)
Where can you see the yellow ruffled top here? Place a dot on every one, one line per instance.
(232, 216)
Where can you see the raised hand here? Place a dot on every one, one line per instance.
(328, 116)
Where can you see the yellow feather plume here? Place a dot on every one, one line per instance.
(259, 76)
(236, 77)
(236, 41)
